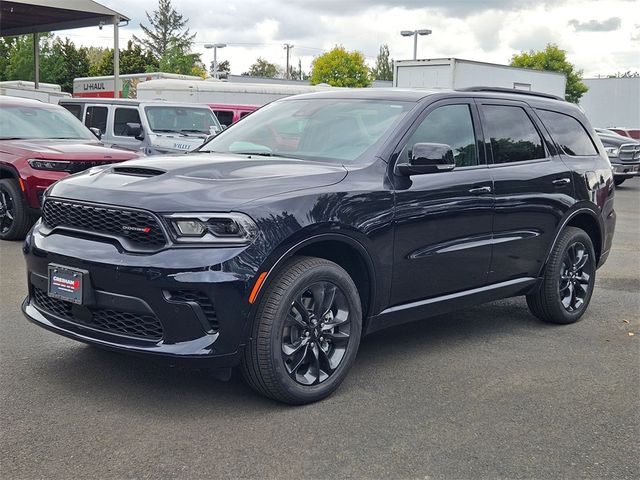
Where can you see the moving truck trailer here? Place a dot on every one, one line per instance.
(102, 87)
(455, 73)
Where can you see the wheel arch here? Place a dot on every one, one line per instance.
(341, 249)
(585, 219)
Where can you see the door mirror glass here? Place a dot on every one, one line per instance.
(427, 158)
(97, 132)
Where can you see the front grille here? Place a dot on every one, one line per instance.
(202, 300)
(105, 319)
(629, 152)
(76, 166)
(141, 229)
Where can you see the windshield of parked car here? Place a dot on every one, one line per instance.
(334, 130)
(184, 120)
(22, 122)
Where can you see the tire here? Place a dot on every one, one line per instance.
(284, 321)
(618, 181)
(568, 281)
(15, 220)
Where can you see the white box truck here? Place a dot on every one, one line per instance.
(102, 87)
(455, 73)
(46, 92)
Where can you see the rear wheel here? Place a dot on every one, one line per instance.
(568, 280)
(306, 332)
(618, 181)
(15, 220)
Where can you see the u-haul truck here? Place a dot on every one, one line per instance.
(102, 87)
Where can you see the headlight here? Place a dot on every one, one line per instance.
(611, 151)
(52, 165)
(212, 227)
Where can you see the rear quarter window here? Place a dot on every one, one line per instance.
(568, 133)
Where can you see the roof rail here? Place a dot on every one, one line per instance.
(509, 90)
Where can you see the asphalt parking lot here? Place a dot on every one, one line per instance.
(488, 392)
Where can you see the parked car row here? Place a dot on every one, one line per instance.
(623, 152)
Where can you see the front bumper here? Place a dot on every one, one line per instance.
(626, 169)
(182, 303)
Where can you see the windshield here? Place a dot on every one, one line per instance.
(185, 120)
(334, 130)
(23, 122)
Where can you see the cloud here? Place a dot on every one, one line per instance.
(608, 25)
(534, 39)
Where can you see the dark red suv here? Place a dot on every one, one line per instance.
(41, 143)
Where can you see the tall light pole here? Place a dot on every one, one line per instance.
(415, 33)
(287, 47)
(215, 47)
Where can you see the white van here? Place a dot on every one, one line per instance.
(151, 127)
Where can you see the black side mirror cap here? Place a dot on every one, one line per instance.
(427, 158)
(134, 129)
(97, 132)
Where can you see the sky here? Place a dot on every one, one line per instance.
(601, 37)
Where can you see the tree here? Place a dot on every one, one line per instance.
(132, 60)
(177, 60)
(166, 31)
(262, 68)
(627, 74)
(6, 47)
(224, 68)
(340, 68)
(384, 65)
(553, 58)
(61, 62)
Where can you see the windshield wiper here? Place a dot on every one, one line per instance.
(168, 130)
(193, 130)
(261, 154)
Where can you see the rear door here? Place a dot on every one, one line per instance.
(443, 220)
(533, 188)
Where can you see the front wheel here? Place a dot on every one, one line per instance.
(568, 280)
(15, 220)
(306, 332)
(618, 181)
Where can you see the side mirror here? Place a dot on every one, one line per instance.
(134, 130)
(97, 132)
(427, 158)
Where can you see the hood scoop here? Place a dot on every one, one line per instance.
(138, 171)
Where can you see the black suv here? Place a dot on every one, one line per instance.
(321, 218)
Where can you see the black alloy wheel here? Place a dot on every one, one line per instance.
(7, 211)
(316, 333)
(306, 332)
(575, 276)
(15, 220)
(568, 281)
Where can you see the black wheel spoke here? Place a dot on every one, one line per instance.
(575, 276)
(582, 261)
(337, 338)
(323, 296)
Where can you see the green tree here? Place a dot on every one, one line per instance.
(132, 60)
(263, 68)
(61, 62)
(340, 68)
(553, 58)
(384, 65)
(178, 60)
(6, 47)
(224, 68)
(166, 31)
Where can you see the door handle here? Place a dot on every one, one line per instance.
(479, 190)
(561, 181)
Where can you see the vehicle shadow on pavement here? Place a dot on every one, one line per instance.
(144, 384)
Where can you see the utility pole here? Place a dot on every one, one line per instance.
(299, 69)
(287, 47)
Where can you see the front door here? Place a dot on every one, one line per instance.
(443, 221)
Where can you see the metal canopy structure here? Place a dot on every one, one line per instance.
(20, 17)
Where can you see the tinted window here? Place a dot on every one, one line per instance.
(568, 133)
(122, 117)
(453, 126)
(513, 135)
(244, 114)
(224, 117)
(97, 117)
(75, 109)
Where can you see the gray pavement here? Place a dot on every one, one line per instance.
(488, 392)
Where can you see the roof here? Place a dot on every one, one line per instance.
(18, 17)
(9, 101)
(129, 102)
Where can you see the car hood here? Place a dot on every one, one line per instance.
(196, 182)
(56, 149)
(615, 140)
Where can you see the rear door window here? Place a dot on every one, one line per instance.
(568, 133)
(513, 136)
(122, 117)
(97, 117)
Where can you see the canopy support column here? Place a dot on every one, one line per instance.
(116, 57)
(36, 60)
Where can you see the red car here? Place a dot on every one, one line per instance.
(41, 143)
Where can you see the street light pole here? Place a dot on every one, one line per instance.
(215, 47)
(287, 47)
(415, 33)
